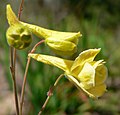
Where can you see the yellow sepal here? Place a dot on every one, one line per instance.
(12, 19)
(63, 64)
(45, 33)
(98, 91)
(78, 85)
(85, 56)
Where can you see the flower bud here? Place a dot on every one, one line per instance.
(62, 47)
(18, 36)
(62, 43)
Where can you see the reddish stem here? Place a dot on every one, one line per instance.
(25, 76)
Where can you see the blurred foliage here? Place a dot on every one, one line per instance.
(98, 21)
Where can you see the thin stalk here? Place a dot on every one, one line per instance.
(13, 65)
(25, 76)
(20, 9)
(12, 68)
(49, 94)
(11, 57)
(14, 74)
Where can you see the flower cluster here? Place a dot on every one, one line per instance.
(84, 72)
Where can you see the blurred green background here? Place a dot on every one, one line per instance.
(99, 23)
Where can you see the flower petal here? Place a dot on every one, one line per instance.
(78, 85)
(100, 74)
(61, 47)
(97, 91)
(87, 76)
(85, 56)
(97, 63)
(63, 64)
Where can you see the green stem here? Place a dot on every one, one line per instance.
(49, 94)
(25, 77)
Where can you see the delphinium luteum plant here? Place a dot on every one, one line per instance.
(84, 72)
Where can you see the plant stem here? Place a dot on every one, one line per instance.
(11, 57)
(20, 9)
(49, 94)
(12, 68)
(25, 76)
(13, 65)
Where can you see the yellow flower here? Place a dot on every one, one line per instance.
(62, 43)
(84, 72)
(18, 36)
